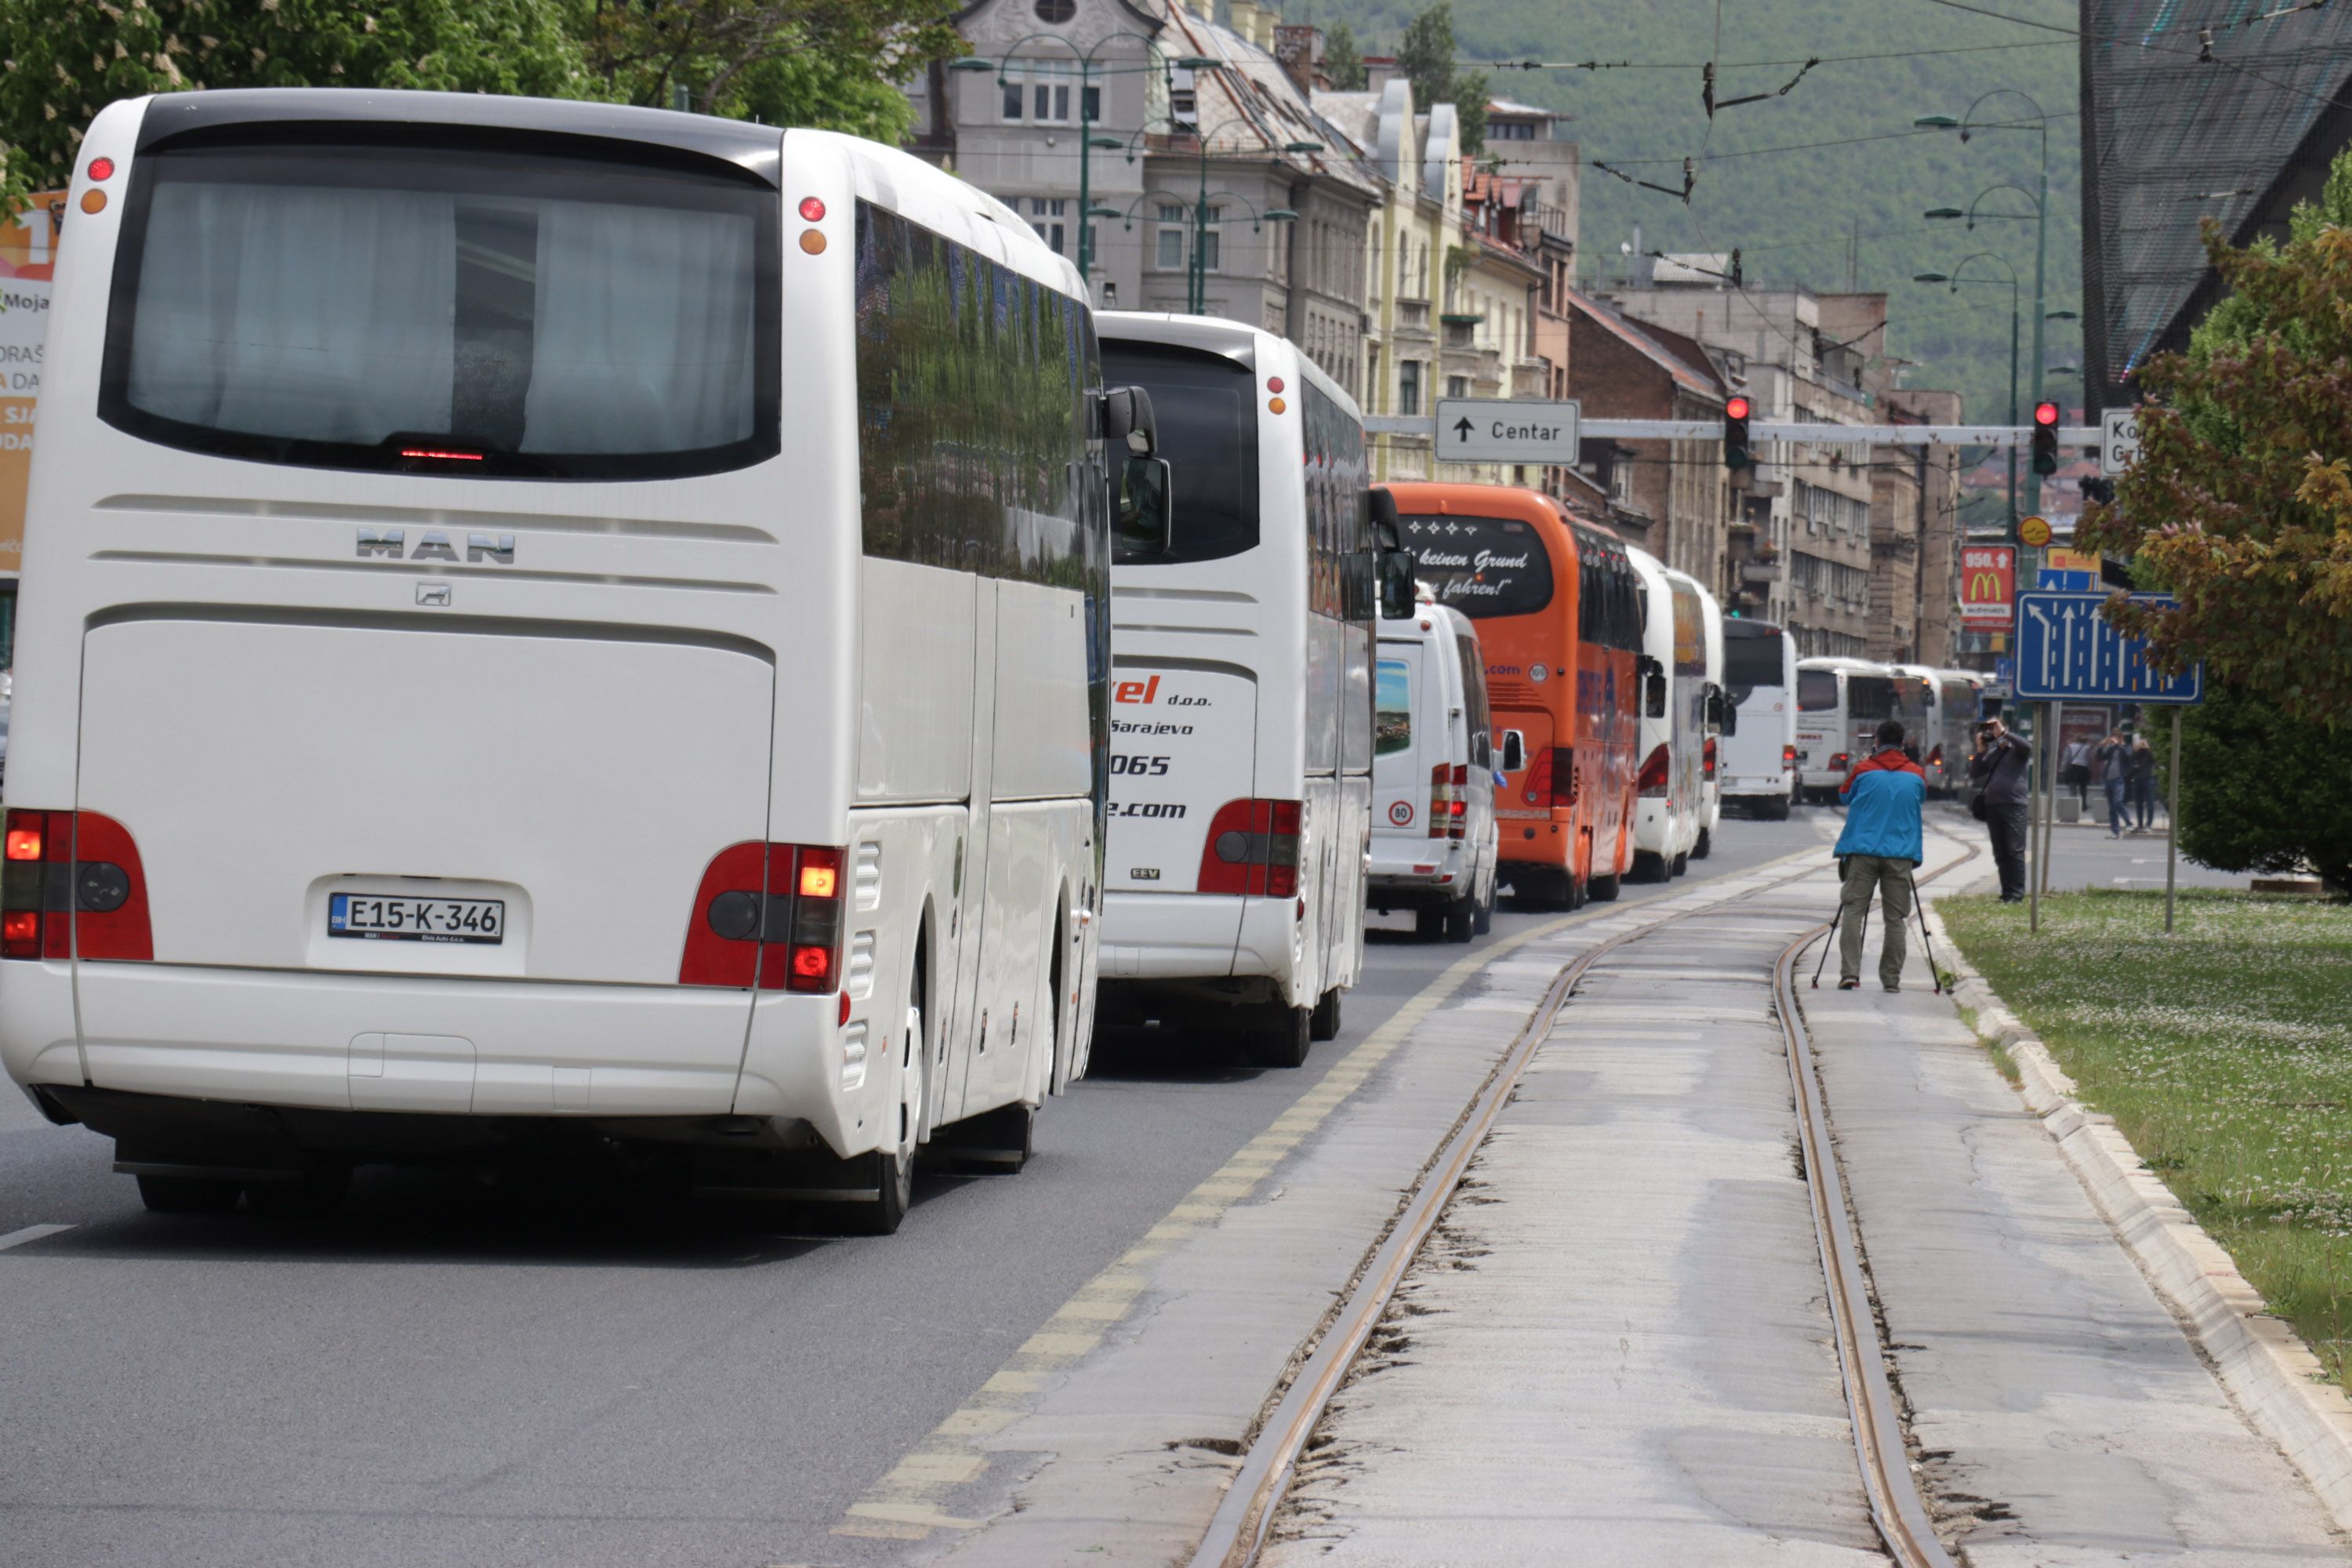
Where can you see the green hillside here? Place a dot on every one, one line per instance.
(1790, 213)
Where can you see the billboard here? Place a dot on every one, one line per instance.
(28, 251)
(1988, 586)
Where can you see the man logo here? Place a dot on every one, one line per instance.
(434, 546)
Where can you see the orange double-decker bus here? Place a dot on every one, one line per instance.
(1559, 626)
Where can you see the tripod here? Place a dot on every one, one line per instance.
(1927, 947)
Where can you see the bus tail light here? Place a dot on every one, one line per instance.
(1838, 762)
(767, 916)
(1441, 800)
(73, 883)
(1787, 758)
(1458, 811)
(1707, 758)
(1653, 782)
(1551, 777)
(1253, 849)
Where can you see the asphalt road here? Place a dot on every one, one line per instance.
(572, 1370)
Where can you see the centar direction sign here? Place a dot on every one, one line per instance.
(1499, 430)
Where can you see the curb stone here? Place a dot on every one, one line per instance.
(2270, 1374)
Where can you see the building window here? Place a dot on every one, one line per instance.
(1053, 12)
(1457, 386)
(1210, 250)
(1038, 94)
(1408, 387)
(1170, 255)
(1045, 215)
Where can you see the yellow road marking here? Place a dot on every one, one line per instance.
(906, 1504)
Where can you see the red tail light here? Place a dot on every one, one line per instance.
(1653, 781)
(1707, 758)
(1551, 778)
(1440, 799)
(1458, 811)
(73, 882)
(1787, 758)
(1253, 849)
(1838, 762)
(767, 915)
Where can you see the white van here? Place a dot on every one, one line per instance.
(1433, 776)
(1668, 799)
(1758, 758)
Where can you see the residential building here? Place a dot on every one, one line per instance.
(1670, 495)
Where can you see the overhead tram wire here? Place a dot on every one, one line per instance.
(1815, 146)
(2202, 54)
(1598, 65)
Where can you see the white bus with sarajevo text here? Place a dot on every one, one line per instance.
(1241, 695)
(552, 625)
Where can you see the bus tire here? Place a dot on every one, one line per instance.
(1483, 921)
(1283, 1041)
(1324, 1023)
(1776, 809)
(1460, 921)
(188, 1195)
(1428, 924)
(1648, 867)
(1605, 890)
(1706, 844)
(1681, 864)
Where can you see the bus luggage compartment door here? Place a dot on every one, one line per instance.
(559, 795)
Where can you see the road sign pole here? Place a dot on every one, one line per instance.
(2037, 821)
(2172, 826)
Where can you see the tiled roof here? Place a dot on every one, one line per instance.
(1671, 352)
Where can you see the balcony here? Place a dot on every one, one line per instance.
(1460, 331)
(1411, 315)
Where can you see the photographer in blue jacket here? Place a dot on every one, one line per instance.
(1883, 796)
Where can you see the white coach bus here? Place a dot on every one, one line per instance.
(1669, 797)
(1758, 756)
(551, 622)
(1242, 694)
(1840, 704)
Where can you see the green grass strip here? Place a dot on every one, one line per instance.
(2223, 1052)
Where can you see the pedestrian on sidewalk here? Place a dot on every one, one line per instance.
(2143, 783)
(2074, 771)
(2000, 768)
(1877, 852)
(2111, 764)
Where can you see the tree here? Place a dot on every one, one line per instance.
(64, 63)
(1425, 55)
(1343, 58)
(2261, 790)
(813, 62)
(2241, 502)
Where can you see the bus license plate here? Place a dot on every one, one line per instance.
(400, 918)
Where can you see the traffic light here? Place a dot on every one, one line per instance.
(1736, 455)
(2045, 438)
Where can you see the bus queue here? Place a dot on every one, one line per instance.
(1005, 671)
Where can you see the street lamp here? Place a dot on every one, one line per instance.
(1966, 126)
(1954, 280)
(1257, 222)
(1196, 274)
(1088, 142)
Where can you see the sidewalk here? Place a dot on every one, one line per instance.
(1616, 1353)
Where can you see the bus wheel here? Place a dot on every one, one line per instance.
(187, 1195)
(1649, 868)
(1460, 919)
(1706, 844)
(1776, 809)
(1324, 1023)
(1484, 921)
(890, 1169)
(1428, 924)
(1282, 1042)
(1604, 890)
(1681, 865)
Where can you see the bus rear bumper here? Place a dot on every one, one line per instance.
(354, 1043)
(1190, 937)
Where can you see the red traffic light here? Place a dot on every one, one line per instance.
(2045, 414)
(1736, 409)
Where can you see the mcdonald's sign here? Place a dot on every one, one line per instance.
(1988, 586)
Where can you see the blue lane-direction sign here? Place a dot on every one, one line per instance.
(2065, 649)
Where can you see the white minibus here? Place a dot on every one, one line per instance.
(1840, 704)
(552, 625)
(1433, 844)
(1958, 698)
(1673, 723)
(1758, 757)
(1241, 695)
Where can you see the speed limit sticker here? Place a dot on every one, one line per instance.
(1401, 813)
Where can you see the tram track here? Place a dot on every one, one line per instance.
(1241, 1527)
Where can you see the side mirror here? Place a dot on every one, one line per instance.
(1730, 720)
(1143, 522)
(1653, 688)
(1128, 422)
(1384, 519)
(1396, 585)
(1514, 750)
(1715, 710)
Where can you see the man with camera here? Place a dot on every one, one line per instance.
(2000, 771)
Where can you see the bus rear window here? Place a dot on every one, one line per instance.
(1392, 708)
(1751, 656)
(1206, 410)
(1869, 696)
(1483, 566)
(495, 310)
(1816, 690)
